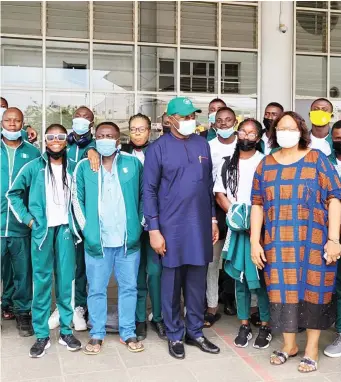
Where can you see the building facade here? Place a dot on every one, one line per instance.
(123, 57)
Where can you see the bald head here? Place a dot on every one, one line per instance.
(84, 112)
(13, 111)
(12, 119)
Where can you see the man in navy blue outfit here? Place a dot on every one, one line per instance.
(180, 217)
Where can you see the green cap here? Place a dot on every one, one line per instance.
(182, 106)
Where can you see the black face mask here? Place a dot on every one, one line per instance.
(267, 123)
(139, 147)
(246, 145)
(337, 147)
(55, 155)
(166, 129)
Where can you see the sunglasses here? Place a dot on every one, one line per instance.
(55, 137)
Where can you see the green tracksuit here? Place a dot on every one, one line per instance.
(149, 276)
(15, 253)
(53, 248)
(76, 154)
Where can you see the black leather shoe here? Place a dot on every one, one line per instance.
(203, 344)
(176, 349)
(24, 325)
(230, 309)
(159, 328)
(141, 331)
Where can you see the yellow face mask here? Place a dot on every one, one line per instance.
(320, 117)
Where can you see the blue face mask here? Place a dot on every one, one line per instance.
(2, 111)
(80, 125)
(106, 147)
(11, 135)
(211, 118)
(226, 133)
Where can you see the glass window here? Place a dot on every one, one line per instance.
(311, 31)
(312, 4)
(67, 19)
(113, 20)
(21, 63)
(113, 67)
(198, 23)
(335, 5)
(198, 70)
(335, 77)
(157, 21)
(311, 76)
(67, 65)
(239, 26)
(239, 72)
(21, 17)
(149, 76)
(335, 33)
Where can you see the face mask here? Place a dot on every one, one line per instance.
(80, 125)
(267, 123)
(288, 139)
(2, 110)
(211, 118)
(55, 155)
(226, 133)
(106, 147)
(187, 128)
(246, 145)
(337, 147)
(11, 135)
(320, 117)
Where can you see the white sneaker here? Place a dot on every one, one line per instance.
(79, 322)
(54, 319)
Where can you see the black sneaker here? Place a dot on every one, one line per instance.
(244, 336)
(24, 324)
(39, 347)
(159, 328)
(70, 341)
(141, 331)
(263, 339)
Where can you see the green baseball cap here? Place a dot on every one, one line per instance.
(182, 106)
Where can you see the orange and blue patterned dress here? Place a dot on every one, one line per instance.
(295, 201)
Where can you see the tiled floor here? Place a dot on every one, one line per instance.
(115, 363)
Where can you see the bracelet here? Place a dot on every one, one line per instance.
(335, 241)
(214, 221)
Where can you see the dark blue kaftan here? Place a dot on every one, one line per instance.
(178, 198)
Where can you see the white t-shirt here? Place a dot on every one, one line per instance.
(320, 144)
(247, 168)
(57, 199)
(267, 148)
(218, 152)
(139, 155)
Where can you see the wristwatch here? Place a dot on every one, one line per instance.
(214, 221)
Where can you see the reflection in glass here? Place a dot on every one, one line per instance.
(67, 65)
(21, 63)
(311, 31)
(335, 32)
(311, 74)
(335, 77)
(113, 67)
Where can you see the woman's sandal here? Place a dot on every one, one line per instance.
(307, 361)
(133, 344)
(93, 347)
(7, 314)
(210, 319)
(282, 356)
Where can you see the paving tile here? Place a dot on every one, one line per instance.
(21, 346)
(335, 377)
(102, 376)
(52, 379)
(20, 368)
(164, 373)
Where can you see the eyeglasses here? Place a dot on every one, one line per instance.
(242, 134)
(291, 129)
(141, 129)
(55, 137)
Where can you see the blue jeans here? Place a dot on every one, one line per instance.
(98, 272)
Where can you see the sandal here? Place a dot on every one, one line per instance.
(282, 356)
(307, 361)
(93, 347)
(133, 344)
(210, 319)
(7, 314)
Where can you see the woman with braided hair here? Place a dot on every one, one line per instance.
(233, 194)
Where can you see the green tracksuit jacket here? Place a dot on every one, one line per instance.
(34, 176)
(76, 153)
(24, 154)
(86, 199)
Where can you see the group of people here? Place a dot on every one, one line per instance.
(260, 201)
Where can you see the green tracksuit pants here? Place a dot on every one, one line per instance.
(7, 282)
(243, 301)
(15, 252)
(57, 254)
(148, 280)
(338, 297)
(80, 277)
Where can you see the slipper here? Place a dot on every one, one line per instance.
(136, 348)
(282, 356)
(307, 361)
(7, 314)
(210, 319)
(93, 347)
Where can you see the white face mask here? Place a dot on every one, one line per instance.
(2, 111)
(288, 139)
(187, 127)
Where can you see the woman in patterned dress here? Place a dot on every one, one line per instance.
(296, 194)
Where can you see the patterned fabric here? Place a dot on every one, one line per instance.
(295, 201)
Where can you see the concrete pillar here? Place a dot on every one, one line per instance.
(276, 54)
